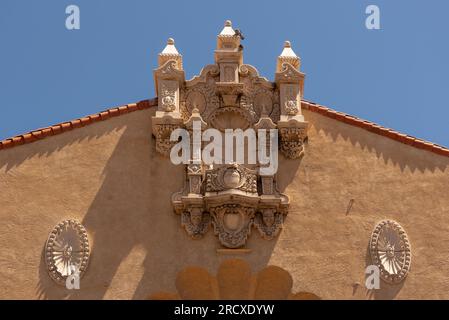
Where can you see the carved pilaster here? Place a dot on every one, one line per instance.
(292, 127)
(168, 79)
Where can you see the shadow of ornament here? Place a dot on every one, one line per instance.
(234, 281)
(390, 251)
(67, 250)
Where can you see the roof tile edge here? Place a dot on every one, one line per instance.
(39, 134)
(375, 128)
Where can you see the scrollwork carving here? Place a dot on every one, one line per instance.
(232, 223)
(292, 141)
(162, 134)
(195, 222)
(269, 223)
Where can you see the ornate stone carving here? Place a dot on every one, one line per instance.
(162, 133)
(231, 177)
(196, 99)
(168, 79)
(292, 141)
(168, 95)
(67, 250)
(269, 223)
(230, 118)
(232, 223)
(195, 222)
(390, 251)
(230, 95)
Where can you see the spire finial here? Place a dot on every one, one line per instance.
(170, 53)
(228, 23)
(289, 56)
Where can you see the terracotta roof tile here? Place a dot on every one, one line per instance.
(77, 123)
(145, 104)
(375, 128)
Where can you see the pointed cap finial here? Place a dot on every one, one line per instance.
(170, 47)
(227, 30)
(288, 56)
(170, 53)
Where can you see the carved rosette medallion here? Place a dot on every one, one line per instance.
(67, 250)
(390, 251)
(232, 223)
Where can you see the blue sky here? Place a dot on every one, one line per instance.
(396, 76)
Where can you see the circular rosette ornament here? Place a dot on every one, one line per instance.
(67, 250)
(390, 251)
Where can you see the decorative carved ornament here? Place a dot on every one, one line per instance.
(67, 250)
(231, 198)
(390, 251)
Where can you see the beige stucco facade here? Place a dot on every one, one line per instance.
(109, 177)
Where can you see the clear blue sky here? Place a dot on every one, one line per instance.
(396, 76)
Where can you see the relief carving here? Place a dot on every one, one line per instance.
(168, 93)
(390, 251)
(195, 222)
(67, 251)
(269, 223)
(230, 95)
(232, 223)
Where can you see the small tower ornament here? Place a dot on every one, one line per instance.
(168, 79)
(290, 81)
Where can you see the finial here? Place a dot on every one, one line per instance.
(170, 53)
(170, 48)
(228, 23)
(288, 52)
(289, 56)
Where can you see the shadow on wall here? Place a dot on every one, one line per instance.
(389, 150)
(234, 280)
(132, 209)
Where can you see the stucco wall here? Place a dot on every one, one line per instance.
(109, 177)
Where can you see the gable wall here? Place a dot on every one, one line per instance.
(108, 176)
